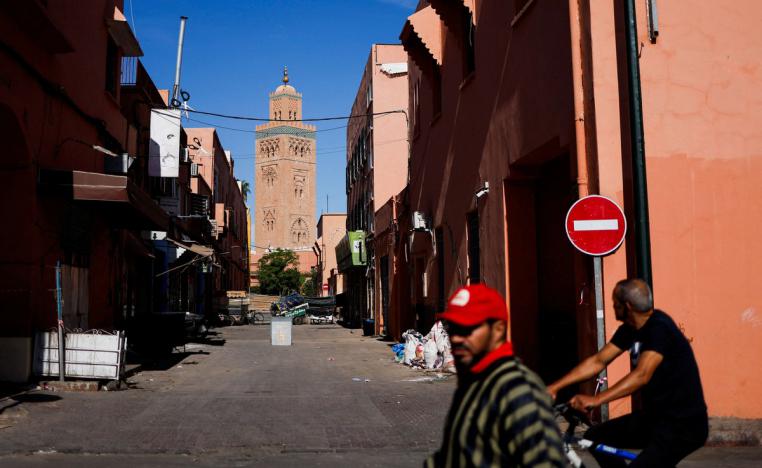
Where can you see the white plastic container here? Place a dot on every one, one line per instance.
(280, 331)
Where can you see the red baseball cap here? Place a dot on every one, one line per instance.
(474, 304)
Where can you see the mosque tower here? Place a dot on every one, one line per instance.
(284, 193)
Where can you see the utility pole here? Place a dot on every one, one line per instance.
(59, 311)
(175, 101)
(637, 138)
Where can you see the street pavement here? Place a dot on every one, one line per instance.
(334, 398)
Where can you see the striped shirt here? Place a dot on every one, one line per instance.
(500, 416)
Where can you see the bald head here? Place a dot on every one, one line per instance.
(636, 293)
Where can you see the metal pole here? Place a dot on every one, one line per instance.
(601, 326)
(178, 64)
(59, 310)
(637, 138)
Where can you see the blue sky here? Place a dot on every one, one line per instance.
(234, 56)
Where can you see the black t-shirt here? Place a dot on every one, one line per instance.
(674, 390)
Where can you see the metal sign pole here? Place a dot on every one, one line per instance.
(59, 310)
(601, 327)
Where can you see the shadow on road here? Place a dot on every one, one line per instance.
(16, 400)
(162, 363)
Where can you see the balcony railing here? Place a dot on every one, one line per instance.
(129, 71)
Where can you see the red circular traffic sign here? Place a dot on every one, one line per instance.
(596, 225)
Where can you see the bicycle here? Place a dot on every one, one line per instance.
(572, 441)
(254, 318)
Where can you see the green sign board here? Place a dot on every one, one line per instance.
(351, 252)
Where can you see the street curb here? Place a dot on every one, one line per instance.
(734, 432)
(70, 386)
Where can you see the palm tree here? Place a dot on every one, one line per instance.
(245, 189)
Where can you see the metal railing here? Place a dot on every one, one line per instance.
(129, 71)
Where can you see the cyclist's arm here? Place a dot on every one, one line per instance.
(588, 368)
(641, 375)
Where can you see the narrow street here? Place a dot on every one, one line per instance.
(240, 401)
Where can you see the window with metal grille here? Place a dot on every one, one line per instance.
(472, 226)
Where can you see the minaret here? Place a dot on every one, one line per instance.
(284, 193)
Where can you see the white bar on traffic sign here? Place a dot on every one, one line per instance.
(596, 225)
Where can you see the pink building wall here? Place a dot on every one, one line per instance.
(227, 208)
(702, 106)
(390, 147)
(511, 123)
(331, 229)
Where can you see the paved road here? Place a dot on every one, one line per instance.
(245, 401)
(237, 401)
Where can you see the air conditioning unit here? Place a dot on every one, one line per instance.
(194, 169)
(420, 221)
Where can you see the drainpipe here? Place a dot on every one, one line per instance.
(579, 97)
(637, 139)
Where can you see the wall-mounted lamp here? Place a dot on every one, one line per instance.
(483, 190)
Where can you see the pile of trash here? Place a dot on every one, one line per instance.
(426, 352)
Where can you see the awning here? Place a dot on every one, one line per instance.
(122, 34)
(127, 202)
(193, 247)
(426, 26)
(394, 69)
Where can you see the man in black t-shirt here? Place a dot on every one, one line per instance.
(673, 422)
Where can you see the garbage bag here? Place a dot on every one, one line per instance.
(439, 335)
(412, 340)
(430, 354)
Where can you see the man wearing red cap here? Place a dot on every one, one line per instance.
(501, 414)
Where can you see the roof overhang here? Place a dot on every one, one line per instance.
(122, 34)
(423, 28)
(452, 12)
(126, 202)
(33, 20)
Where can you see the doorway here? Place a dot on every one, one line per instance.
(544, 269)
(384, 267)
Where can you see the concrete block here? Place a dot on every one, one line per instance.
(71, 386)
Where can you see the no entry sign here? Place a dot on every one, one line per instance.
(595, 225)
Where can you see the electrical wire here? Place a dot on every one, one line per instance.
(321, 153)
(245, 130)
(132, 17)
(316, 119)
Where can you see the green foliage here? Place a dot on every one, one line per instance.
(245, 190)
(279, 272)
(310, 283)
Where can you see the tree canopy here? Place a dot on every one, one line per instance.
(279, 272)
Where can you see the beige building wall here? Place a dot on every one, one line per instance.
(284, 193)
(331, 229)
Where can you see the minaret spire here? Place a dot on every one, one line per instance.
(285, 75)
